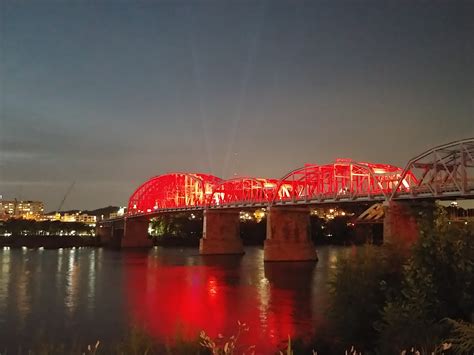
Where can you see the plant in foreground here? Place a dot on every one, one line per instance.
(462, 337)
(226, 346)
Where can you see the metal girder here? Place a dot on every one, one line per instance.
(373, 213)
(242, 191)
(343, 180)
(443, 171)
(172, 191)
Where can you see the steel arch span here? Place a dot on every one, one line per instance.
(344, 180)
(243, 191)
(172, 191)
(445, 171)
(442, 172)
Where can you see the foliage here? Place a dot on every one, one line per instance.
(361, 285)
(176, 225)
(462, 337)
(229, 346)
(438, 283)
(136, 342)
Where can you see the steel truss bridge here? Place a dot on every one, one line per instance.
(443, 172)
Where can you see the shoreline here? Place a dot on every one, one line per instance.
(49, 242)
(58, 241)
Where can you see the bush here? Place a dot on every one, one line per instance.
(462, 337)
(359, 289)
(438, 283)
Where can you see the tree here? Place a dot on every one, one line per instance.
(363, 282)
(438, 283)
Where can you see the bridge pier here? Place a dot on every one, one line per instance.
(289, 235)
(401, 221)
(110, 233)
(135, 234)
(105, 234)
(221, 233)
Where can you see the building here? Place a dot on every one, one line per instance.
(78, 217)
(21, 209)
(121, 211)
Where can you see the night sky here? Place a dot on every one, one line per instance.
(110, 93)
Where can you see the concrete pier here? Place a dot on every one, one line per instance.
(401, 222)
(289, 235)
(135, 233)
(105, 234)
(221, 233)
(110, 233)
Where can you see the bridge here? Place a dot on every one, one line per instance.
(443, 172)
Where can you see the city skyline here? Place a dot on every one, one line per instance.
(107, 95)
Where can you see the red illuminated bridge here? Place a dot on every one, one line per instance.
(443, 172)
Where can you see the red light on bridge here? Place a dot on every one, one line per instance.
(345, 179)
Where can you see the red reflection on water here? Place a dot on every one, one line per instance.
(180, 301)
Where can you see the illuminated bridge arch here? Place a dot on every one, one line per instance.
(343, 180)
(172, 191)
(443, 171)
(243, 190)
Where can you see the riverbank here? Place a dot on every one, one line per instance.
(49, 242)
(62, 241)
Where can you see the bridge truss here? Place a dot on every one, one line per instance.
(172, 191)
(446, 171)
(344, 180)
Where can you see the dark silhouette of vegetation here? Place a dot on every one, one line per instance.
(394, 299)
(180, 229)
(343, 231)
(438, 283)
(362, 284)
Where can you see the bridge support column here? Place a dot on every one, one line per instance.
(221, 233)
(135, 234)
(400, 225)
(105, 234)
(289, 235)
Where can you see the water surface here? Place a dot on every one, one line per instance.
(85, 294)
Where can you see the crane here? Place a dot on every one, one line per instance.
(65, 196)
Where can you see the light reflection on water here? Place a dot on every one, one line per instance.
(86, 294)
(4, 281)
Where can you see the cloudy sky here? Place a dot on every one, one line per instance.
(108, 93)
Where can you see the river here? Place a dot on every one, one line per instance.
(89, 294)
